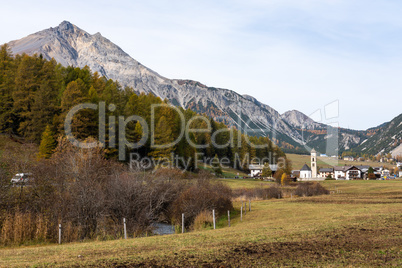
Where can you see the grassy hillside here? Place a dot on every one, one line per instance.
(359, 227)
(299, 160)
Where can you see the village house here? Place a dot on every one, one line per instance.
(340, 172)
(296, 173)
(349, 158)
(256, 170)
(354, 173)
(326, 172)
(347, 173)
(378, 169)
(385, 173)
(364, 171)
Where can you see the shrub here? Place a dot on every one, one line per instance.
(278, 176)
(372, 176)
(285, 179)
(259, 193)
(310, 189)
(202, 195)
(202, 220)
(90, 196)
(268, 193)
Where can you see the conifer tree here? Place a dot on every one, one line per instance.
(216, 166)
(266, 171)
(47, 144)
(84, 124)
(245, 153)
(27, 82)
(8, 122)
(134, 132)
(45, 105)
(163, 136)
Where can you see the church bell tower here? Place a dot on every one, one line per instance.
(313, 164)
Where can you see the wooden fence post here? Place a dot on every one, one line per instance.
(241, 211)
(125, 228)
(229, 217)
(249, 205)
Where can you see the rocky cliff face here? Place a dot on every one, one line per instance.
(70, 45)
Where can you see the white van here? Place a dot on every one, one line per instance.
(22, 178)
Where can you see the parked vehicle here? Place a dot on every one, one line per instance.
(22, 178)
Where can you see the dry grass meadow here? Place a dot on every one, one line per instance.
(359, 226)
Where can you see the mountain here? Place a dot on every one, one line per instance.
(293, 131)
(299, 120)
(387, 138)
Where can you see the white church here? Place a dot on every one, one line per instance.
(309, 173)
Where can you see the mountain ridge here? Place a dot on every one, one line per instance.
(70, 45)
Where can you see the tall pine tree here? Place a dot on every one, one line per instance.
(8, 122)
(47, 144)
(163, 136)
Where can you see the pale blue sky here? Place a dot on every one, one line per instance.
(289, 54)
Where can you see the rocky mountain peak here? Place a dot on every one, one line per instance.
(66, 26)
(70, 45)
(299, 120)
(67, 30)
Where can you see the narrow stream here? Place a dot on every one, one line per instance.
(163, 228)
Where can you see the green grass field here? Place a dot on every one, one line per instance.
(299, 160)
(360, 226)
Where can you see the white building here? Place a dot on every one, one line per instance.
(349, 158)
(340, 172)
(256, 170)
(326, 172)
(305, 172)
(347, 173)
